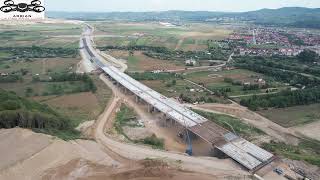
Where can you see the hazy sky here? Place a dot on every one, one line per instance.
(160, 5)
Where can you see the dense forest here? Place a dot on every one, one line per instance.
(19, 112)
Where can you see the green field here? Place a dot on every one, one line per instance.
(174, 87)
(127, 117)
(293, 116)
(133, 63)
(192, 36)
(140, 62)
(4, 55)
(40, 66)
(233, 124)
(216, 80)
(80, 107)
(213, 80)
(45, 35)
(64, 97)
(307, 150)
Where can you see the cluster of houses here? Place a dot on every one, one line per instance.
(271, 36)
(308, 38)
(254, 81)
(269, 52)
(271, 41)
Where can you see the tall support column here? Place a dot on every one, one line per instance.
(165, 120)
(149, 108)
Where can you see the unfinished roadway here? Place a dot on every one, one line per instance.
(245, 153)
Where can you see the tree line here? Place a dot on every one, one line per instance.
(38, 52)
(19, 112)
(278, 74)
(283, 99)
(149, 76)
(303, 63)
(167, 54)
(64, 77)
(11, 78)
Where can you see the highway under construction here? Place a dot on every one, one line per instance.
(242, 151)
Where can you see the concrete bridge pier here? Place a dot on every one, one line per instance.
(137, 99)
(125, 90)
(150, 108)
(163, 119)
(215, 152)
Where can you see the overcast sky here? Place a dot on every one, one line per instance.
(161, 5)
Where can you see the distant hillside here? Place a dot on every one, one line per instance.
(20, 112)
(138, 16)
(290, 16)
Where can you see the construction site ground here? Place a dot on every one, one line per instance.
(37, 156)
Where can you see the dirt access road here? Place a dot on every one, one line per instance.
(213, 166)
(208, 165)
(26, 155)
(235, 110)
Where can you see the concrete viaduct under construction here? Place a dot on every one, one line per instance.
(242, 151)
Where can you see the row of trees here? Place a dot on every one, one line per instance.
(190, 99)
(303, 63)
(11, 78)
(246, 87)
(167, 54)
(67, 77)
(16, 111)
(153, 76)
(283, 75)
(38, 52)
(32, 120)
(308, 56)
(283, 99)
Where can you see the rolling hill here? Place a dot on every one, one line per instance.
(288, 16)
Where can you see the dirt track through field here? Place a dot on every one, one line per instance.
(179, 44)
(244, 114)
